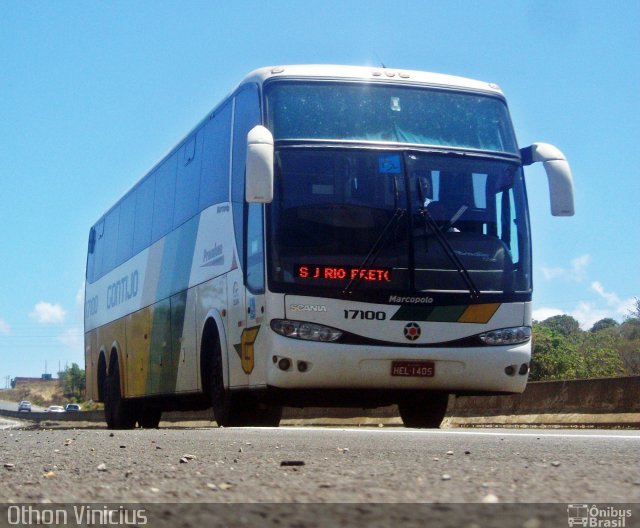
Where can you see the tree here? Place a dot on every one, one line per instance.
(579, 355)
(634, 313)
(603, 324)
(73, 381)
(601, 357)
(563, 324)
(553, 355)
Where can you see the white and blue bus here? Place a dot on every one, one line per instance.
(326, 236)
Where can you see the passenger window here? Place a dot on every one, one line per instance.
(188, 180)
(125, 227)
(164, 198)
(94, 259)
(214, 175)
(144, 214)
(109, 258)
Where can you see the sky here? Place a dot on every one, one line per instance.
(94, 93)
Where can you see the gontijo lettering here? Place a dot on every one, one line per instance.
(122, 290)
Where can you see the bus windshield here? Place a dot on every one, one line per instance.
(391, 113)
(345, 219)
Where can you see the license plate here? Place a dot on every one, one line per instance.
(413, 369)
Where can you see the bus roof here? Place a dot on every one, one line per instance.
(368, 73)
(334, 72)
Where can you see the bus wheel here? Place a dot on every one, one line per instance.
(240, 408)
(116, 410)
(267, 416)
(424, 411)
(225, 410)
(149, 418)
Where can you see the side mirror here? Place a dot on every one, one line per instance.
(259, 179)
(558, 174)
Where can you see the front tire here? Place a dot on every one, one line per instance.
(240, 408)
(424, 411)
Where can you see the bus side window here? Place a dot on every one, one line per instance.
(94, 259)
(144, 214)
(255, 251)
(188, 179)
(214, 174)
(125, 227)
(246, 115)
(110, 247)
(164, 198)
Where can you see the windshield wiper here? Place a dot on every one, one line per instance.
(373, 253)
(432, 225)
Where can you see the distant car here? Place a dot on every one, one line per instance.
(72, 407)
(55, 409)
(24, 405)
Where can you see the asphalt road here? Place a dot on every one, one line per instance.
(367, 466)
(13, 406)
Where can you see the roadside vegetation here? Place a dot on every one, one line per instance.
(562, 350)
(68, 388)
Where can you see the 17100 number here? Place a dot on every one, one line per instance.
(368, 315)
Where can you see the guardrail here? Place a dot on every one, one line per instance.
(605, 402)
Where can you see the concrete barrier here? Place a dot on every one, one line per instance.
(35, 416)
(593, 402)
(606, 402)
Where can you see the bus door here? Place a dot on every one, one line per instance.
(237, 329)
(253, 362)
(246, 305)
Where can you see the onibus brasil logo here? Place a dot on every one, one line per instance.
(597, 516)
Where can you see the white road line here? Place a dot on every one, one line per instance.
(540, 434)
(8, 424)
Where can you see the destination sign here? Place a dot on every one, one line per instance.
(312, 272)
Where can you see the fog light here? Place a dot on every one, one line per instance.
(284, 364)
(302, 366)
(524, 369)
(510, 370)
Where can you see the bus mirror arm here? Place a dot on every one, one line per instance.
(259, 175)
(558, 175)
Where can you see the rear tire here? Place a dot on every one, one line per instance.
(149, 418)
(117, 410)
(424, 411)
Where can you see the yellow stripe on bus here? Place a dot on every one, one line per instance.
(479, 313)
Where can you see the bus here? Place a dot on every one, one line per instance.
(326, 236)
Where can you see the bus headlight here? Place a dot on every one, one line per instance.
(507, 336)
(304, 330)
